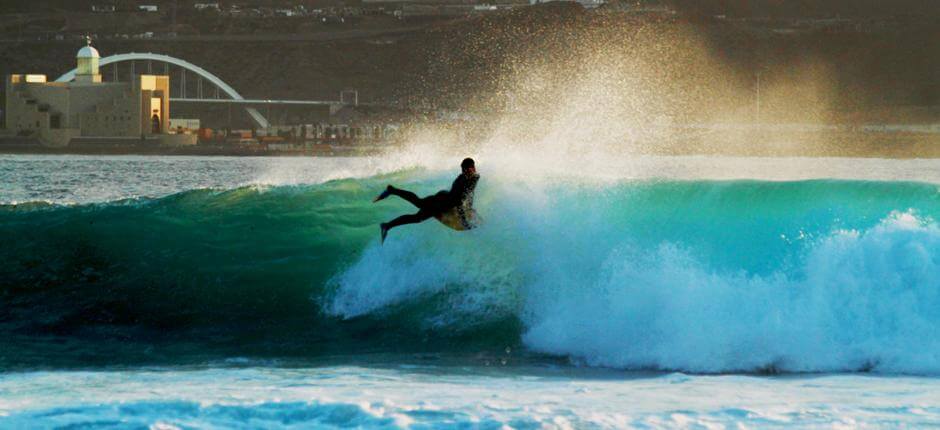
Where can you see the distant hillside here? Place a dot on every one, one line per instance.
(810, 8)
(686, 67)
(762, 8)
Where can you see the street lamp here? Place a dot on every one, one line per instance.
(757, 118)
(760, 71)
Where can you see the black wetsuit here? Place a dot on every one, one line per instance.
(460, 196)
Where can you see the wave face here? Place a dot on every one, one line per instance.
(702, 276)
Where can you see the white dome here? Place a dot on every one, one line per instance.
(88, 52)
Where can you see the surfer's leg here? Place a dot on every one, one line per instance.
(402, 220)
(407, 219)
(405, 195)
(384, 194)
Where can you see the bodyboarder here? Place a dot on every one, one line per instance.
(453, 208)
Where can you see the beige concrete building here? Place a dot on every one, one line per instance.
(56, 112)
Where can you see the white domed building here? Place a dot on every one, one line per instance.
(88, 108)
(87, 59)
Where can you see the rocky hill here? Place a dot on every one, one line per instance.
(678, 66)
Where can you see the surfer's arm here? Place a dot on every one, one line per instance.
(466, 199)
(462, 195)
(461, 192)
(457, 189)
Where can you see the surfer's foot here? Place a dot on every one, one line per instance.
(386, 193)
(384, 228)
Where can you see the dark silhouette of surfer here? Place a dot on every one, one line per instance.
(453, 208)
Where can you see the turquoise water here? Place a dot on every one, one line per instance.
(147, 272)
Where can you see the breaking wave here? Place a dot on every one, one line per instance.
(701, 276)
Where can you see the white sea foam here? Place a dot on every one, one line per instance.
(432, 398)
(860, 299)
(76, 179)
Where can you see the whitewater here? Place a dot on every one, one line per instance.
(175, 292)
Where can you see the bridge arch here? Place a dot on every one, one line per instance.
(226, 88)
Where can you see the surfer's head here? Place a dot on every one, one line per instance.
(468, 166)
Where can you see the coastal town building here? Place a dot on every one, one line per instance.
(103, 8)
(57, 112)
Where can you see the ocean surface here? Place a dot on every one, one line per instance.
(652, 292)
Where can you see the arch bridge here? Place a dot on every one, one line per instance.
(202, 75)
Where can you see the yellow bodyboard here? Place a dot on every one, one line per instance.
(452, 219)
